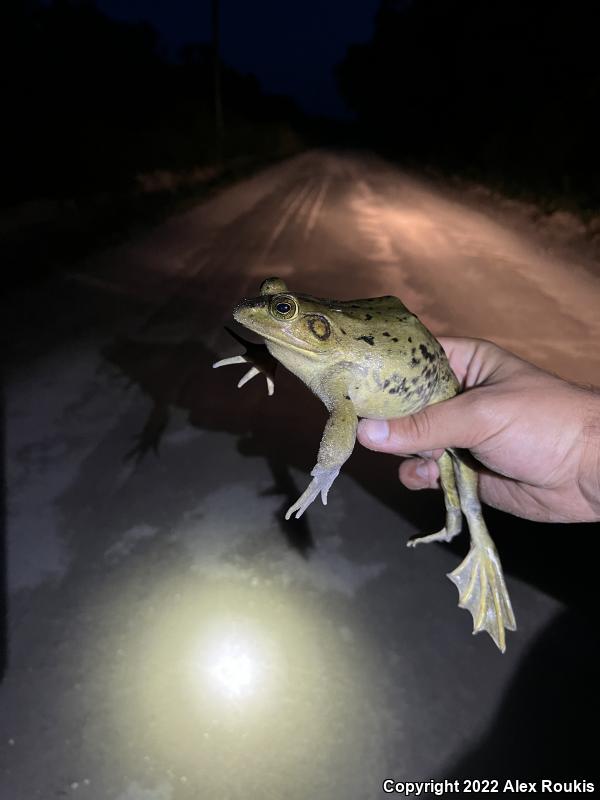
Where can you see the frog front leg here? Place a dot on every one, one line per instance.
(257, 355)
(337, 444)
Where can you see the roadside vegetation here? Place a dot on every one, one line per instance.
(107, 132)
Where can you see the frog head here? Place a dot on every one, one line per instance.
(296, 322)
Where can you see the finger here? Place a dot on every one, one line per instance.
(435, 454)
(459, 352)
(430, 454)
(452, 423)
(419, 473)
(472, 360)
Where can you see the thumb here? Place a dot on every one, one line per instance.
(437, 427)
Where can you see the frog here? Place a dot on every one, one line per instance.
(373, 358)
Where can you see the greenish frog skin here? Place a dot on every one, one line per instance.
(373, 358)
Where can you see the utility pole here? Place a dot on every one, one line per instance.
(218, 105)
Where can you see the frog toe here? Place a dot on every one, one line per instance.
(320, 484)
(252, 372)
(248, 376)
(231, 360)
(440, 536)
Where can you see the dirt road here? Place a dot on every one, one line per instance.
(169, 635)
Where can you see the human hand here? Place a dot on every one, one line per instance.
(535, 436)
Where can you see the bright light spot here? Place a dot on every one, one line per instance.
(233, 669)
(225, 673)
(232, 660)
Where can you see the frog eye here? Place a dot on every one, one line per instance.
(284, 307)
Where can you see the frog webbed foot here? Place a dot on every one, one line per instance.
(320, 484)
(258, 356)
(482, 591)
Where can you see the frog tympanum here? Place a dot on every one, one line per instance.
(373, 358)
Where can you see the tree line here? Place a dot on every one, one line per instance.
(507, 89)
(91, 101)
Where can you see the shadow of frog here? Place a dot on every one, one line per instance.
(180, 376)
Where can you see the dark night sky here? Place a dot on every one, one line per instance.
(290, 46)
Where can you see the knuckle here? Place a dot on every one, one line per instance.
(485, 418)
(418, 428)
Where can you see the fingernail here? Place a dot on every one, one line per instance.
(422, 470)
(377, 430)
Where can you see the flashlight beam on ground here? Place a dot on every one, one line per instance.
(233, 669)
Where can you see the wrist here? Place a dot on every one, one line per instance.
(589, 467)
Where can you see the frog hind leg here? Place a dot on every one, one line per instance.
(453, 511)
(479, 578)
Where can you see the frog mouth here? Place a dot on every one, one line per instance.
(287, 345)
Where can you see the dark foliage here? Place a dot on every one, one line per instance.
(91, 101)
(508, 89)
